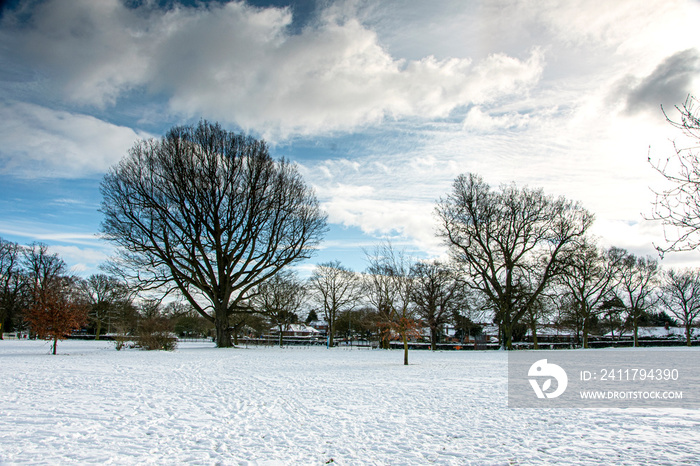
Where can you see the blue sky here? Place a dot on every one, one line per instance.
(382, 105)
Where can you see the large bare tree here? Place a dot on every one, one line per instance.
(509, 241)
(336, 289)
(209, 214)
(677, 205)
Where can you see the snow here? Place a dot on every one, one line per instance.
(659, 332)
(304, 405)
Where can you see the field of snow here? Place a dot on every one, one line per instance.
(309, 406)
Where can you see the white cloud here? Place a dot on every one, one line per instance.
(83, 261)
(40, 142)
(381, 209)
(478, 120)
(82, 251)
(240, 64)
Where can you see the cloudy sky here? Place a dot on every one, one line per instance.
(382, 105)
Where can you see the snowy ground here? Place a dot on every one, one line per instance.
(310, 406)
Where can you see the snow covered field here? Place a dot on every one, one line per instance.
(309, 406)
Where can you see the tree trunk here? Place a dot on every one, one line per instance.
(433, 338)
(331, 331)
(223, 334)
(584, 331)
(687, 334)
(507, 342)
(55, 343)
(98, 329)
(635, 324)
(404, 336)
(533, 328)
(384, 339)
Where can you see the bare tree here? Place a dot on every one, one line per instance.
(509, 242)
(437, 295)
(678, 206)
(681, 296)
(591, 277)
(12, 283)
(105, 295)
(569, 315)
(280, 299)
(541, 309)
(336, 289)
(42, 266)
(638, 284)
(360, 321)
(209, 214)
(389, 288)
(476, 309)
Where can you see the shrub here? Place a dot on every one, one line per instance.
(156, 334)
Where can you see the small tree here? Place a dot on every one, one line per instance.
(124, 324)
(389, 287)
(311, 317)
(336, 289)
(155, 329)
(56, 310)
(279, 299)
(569, 315)
(612, 311)
(681, 297)
(638, 284)
(539, 311)
(105, 295)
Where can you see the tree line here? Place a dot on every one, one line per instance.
(208, 217)
(396, 297)
(39, 297)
